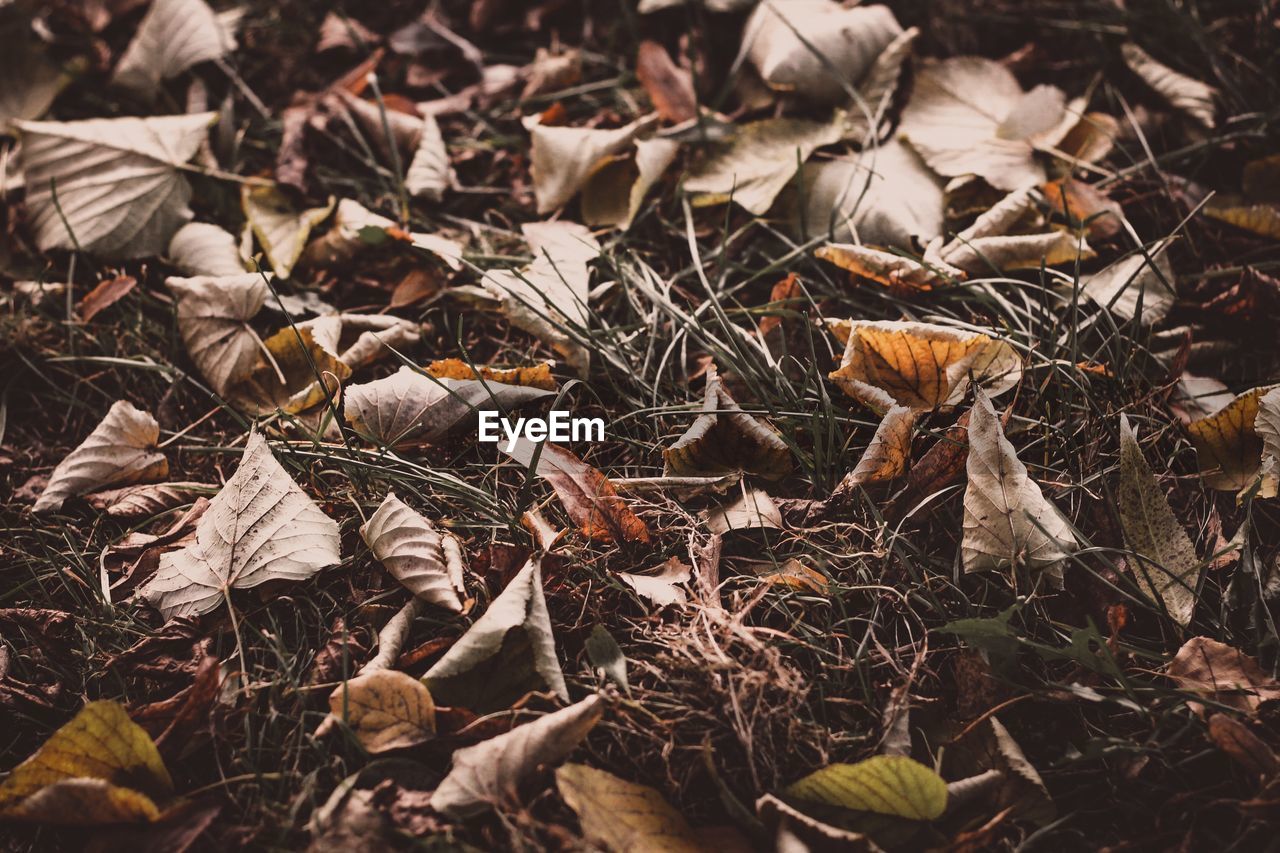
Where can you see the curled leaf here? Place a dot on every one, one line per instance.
(1221, 673)
(724, 439)
(1139, 285)
(147, 500)
(660, 587)
(1227, 445)
(414, 551)
(429, 173)
(889, 453)
(282, 232)
(199, 248)
(564, 157)
(173, 36)
(213, 319)
(1183, 93)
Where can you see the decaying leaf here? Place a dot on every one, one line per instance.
(968, 115)
(147, 500)
(1182, 92)
(213, 318)
(1221, 673)
(724, 439)
(587, 495)
(1169, 569)
(492, 772)
(101, 768)
(660, 587)
(535, 376)
(133, 199)
(1007, 520)
(352, 222)
(817, 49)
(296, 370)
(792, 574)
(121, 450)
(105, 294)
(199, 248)
(895, 271)
(885, 784)
(509, 651)
(282, 232)
(173, 36)
(752, 510)
(415, 553)
(385, 709)
(261, 527)
(429, 173)
(919, 365)
(565, 157)
(621, 816)
(1243, 746)
(408, 406)
(889, 453)
(670, 88)
(616, 186)
(793, 831)
(1261, 218)
(1139, 285)
(1227, 445)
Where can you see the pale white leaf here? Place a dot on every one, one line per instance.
(1267, 426)
(260, 527)
(120, 450)
(200, 248)
(116, 181)
(343, 240)
(429, 173)
(754, 509)
(147, 500)
(616, 187)
(173, 36)
(660, 587)
(213, 319)
(563, 157)
(414, 552)
(1142, 276)
(1182, 92)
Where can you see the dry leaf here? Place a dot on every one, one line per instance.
(415, 553)
(1182, 92)
(988, 244)
(866, 118)
(297, 370)
(385, 709)
(1169, 569)
(100, 768)
(550, 72)
(792, 574)
(919, 365)
(213, 318)
(261, 527)
(621, 816)
(429, 173)
(1227, 446)
(107, 293)
(817, 49)
(660, 587)
(1081, 204)
(509, 651)
(492, 772)
(894, 271)
(344, 240)
(199, 248)
(889, 453)
(1221, 673)
(1144, 278)
(616, 186)
(173, 36)
(884, 784)
(1243, 746)
(408, 406)
(1261, 218)
(564, 157)
(670, 88)
(587, 495)
(282, 232)
(752, 510)
(32, 80)
(1007, 521)
(1267, 427)
(793, 831)
(535, 376)
(147, 500)
(724, 439)
(133, 199)
(121, 450)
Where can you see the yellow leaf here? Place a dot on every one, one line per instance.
(885, 784)
(537, 376)
(794, 575)
(889, 453)
(1260, 219)
(621, 816)
(386, 710)
(100, 768)
(1228, 448)
(281, 231)
(297, 356)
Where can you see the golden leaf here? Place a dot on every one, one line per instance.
(536, 376)
(621, 816)
(1227, 446)
(889, 453)
(385, 709)
(884, 784)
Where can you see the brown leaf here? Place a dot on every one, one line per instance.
(535, 376)
(669, 88)
(1222, 673)
(107, 293)
(1082, 204)
(724, 439)
(1243, 746)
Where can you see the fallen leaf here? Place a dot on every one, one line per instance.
(621, 816)
(587, 495)
(550, 72)
(352, 223)
(888, 455)
(1259, 218)
(606, 655)
(509, 651)
(415, 553)
(919, 365)
(792, 830)
(261, 527)
(897, 272)
(724, 439)
(282, 232)
(32, 80)
(1183, 93)
(100, 768)
(1084, 206)
(1221, 673)
(752, 510)
(340, 32)
(564, 157)
(297, 369)
(670, 88)
(616, 187)
(660, 587)
(1169, 570)
(147, 500)
(408, 406)
(1267, 426)
(199, 248)
(491, 773)
(172, 37)
(1144, 279)
(866, 119)
(1243, 746)
(133, 199)
(1227, 446)
(385, 709)
(429, 173)
(121, 450)
(885, 784)
(817, 49)
(213, 319)
(107, 293)
(989, 244)
(536, 376)
(1007, 521)
(792, 574)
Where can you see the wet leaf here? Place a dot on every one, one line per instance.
(1183, 93)
(1227, 446)
(281, 231)
(121, 450)
(416, 553)
(1169, 570)
(1221, 673)
(885, 784)
(385, 709)
(261, 527)
(173, 36)
(213, 319)
(724, 439)
(621, 816)
(1007, 521)
(492, 772)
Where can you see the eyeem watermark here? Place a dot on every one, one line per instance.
(558, 425)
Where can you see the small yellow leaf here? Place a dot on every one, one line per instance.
(386, 710)
(537, 376)
(100, 768)
(621, 816)
(1228, 448)
(298, 355)
(885, 784)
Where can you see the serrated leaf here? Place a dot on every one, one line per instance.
(1007, 520)
(885, 784)
(261, 527)
(429, 173)
(509, 651)
(121, 450)
(116, 181)
(414, 552)
(1182, 92)
(282, 232)
(100, 768)
(199, 248)
(1228, 447)
(621, 816)
(492, 772)
(173, 36)
(385, 709)
(213, 319)
(1169, 569)
(724, 439)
